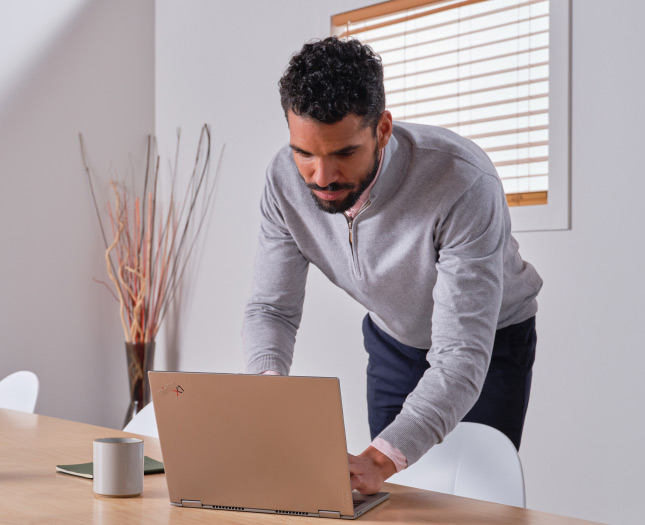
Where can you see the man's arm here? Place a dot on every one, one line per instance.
(273, 313)
(470, 241)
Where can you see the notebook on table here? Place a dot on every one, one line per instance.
(256, 443)
(86, 470)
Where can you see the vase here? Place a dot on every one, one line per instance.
(140, 357)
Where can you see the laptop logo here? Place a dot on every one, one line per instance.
(178, 390)
(167, 388)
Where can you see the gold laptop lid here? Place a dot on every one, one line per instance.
(261, 442)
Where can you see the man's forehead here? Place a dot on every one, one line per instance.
(306, 132)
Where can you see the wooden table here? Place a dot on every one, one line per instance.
(32, 492)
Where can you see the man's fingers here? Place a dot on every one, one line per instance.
(357, 483)
(362, 485)
(354, 464)
(353, 482)
(364, 475)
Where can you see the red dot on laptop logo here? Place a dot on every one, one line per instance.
(179, 390)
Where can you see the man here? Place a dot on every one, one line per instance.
(412, 222)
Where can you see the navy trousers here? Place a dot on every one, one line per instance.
(394, 369)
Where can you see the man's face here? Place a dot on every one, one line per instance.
(337, 161)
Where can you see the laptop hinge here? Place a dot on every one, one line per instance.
(329, 514)
(193, 503)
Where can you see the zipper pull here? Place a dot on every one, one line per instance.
(350, 222)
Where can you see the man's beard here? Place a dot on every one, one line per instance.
(353, 196)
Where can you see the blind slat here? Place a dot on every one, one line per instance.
(533, 175)
(468, 63)
(469, 48)
(465, 33)
(529, 160)
(527, 129)
(471, 77)
(475, 106)
(470, 92)
(495, 118)
(517, 146)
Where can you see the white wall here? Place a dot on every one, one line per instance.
(583, 451)
(65, 67)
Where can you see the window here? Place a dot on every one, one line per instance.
(495, 71)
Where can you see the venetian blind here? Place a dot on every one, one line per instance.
(478, 67)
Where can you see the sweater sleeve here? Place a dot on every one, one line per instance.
(470, 240)
(273, 313)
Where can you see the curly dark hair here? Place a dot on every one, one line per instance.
(331, 78)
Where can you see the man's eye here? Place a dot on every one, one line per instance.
(346, 154)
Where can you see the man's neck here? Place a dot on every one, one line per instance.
(353, 211)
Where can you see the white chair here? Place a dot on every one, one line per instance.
(19, 391)
(474, 461)
(144, 422)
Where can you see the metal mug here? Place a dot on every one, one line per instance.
(118, 467)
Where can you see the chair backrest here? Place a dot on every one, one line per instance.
(19, 391)
(474, 461)
(144, 422)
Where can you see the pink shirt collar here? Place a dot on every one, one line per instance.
(351, 213)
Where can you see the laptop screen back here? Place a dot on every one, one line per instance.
(262, 442)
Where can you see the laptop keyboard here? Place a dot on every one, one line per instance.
(358, 499)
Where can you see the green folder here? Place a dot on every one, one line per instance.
(86, 470)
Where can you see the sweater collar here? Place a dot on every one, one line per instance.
(393, 168)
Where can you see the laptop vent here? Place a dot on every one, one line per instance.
(293, 512)
(222, 507)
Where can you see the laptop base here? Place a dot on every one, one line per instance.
(362, 505)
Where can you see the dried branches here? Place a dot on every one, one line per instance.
(151, 246)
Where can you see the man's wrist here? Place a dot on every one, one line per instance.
(385, 465)
(392, 452)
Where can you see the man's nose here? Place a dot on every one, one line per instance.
(325, 172)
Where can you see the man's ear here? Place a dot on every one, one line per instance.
(384, 129)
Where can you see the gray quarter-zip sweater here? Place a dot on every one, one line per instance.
(432, 259)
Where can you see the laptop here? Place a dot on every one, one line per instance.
(255, 443)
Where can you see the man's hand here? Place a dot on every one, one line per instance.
(369, 470)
